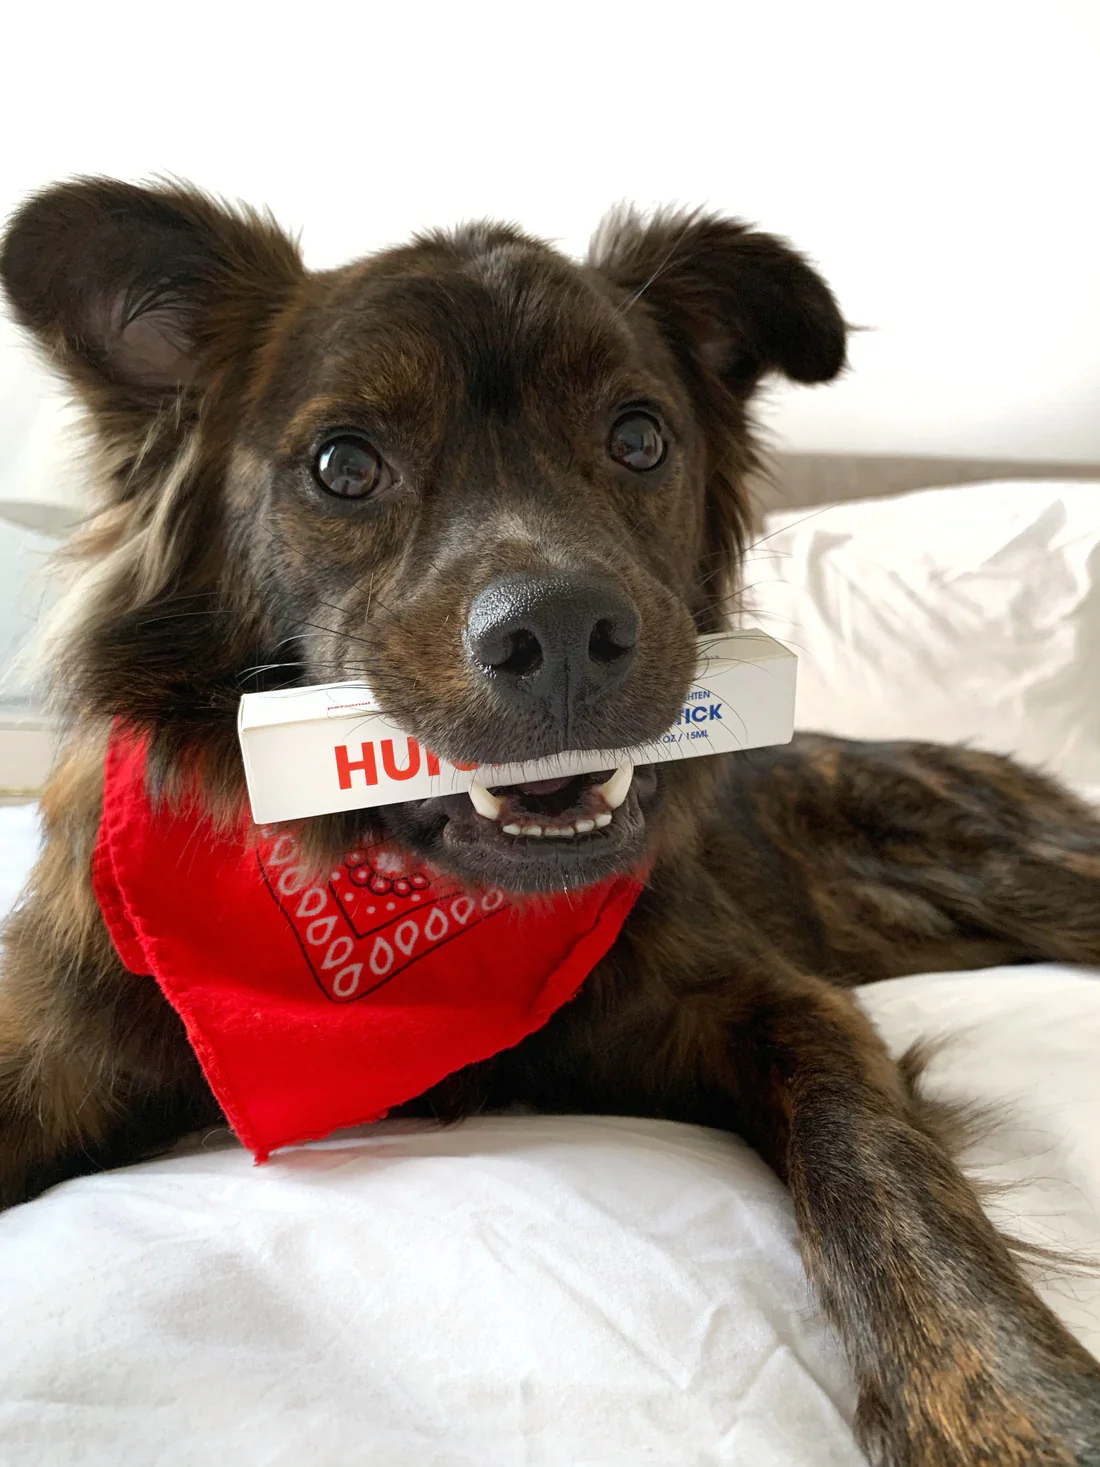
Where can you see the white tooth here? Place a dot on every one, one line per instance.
(484, 802)
(582, 827)
(532, 830)
(615, 790)
(602, 820)
(559, 830)
(511, 830)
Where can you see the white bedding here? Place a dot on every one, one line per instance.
(967, 615)
(517, 1292)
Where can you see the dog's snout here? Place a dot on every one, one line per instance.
(558, 639)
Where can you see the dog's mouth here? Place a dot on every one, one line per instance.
(569, 808)
(539, 835)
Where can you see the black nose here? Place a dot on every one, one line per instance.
(562, 640)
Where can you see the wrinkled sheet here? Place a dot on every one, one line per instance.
(516, 1292)
(964, 615)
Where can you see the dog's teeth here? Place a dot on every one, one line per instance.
(559, 830)
(484, 801)
(535, 830)
(602, 820)
(582, 827)
(512, 830)
(615, 790)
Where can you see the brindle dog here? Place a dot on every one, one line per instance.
(508, 489)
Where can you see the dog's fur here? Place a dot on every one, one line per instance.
(487, 369)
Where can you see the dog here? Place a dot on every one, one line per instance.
(508, 489)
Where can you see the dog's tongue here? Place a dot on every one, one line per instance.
(546, 786)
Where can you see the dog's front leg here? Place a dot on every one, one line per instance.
(958, 1361)
(95, 1069)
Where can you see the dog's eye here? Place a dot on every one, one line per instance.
(349, 467)
(636, 442)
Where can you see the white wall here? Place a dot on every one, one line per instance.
(940, 160)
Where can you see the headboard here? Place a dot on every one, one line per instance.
(792, 480)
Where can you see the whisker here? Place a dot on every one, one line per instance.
(183, 615)
(333, 632)
(662, 265)
(813, 514)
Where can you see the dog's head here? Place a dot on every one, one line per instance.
(503, 487)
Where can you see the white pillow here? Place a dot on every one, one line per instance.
(968, 614)
(42, 476)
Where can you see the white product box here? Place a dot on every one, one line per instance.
(310, 751)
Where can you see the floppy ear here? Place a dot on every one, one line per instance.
(135, 293)
(730, 300)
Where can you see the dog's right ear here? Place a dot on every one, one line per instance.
(136, 293)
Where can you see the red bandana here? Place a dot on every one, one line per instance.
(318, 1004)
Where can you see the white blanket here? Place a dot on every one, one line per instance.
(517, 1292)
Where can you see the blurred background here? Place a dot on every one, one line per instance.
(938, 160)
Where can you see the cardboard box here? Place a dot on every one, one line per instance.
(310, 751)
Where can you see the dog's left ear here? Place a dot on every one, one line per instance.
(731, 301)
